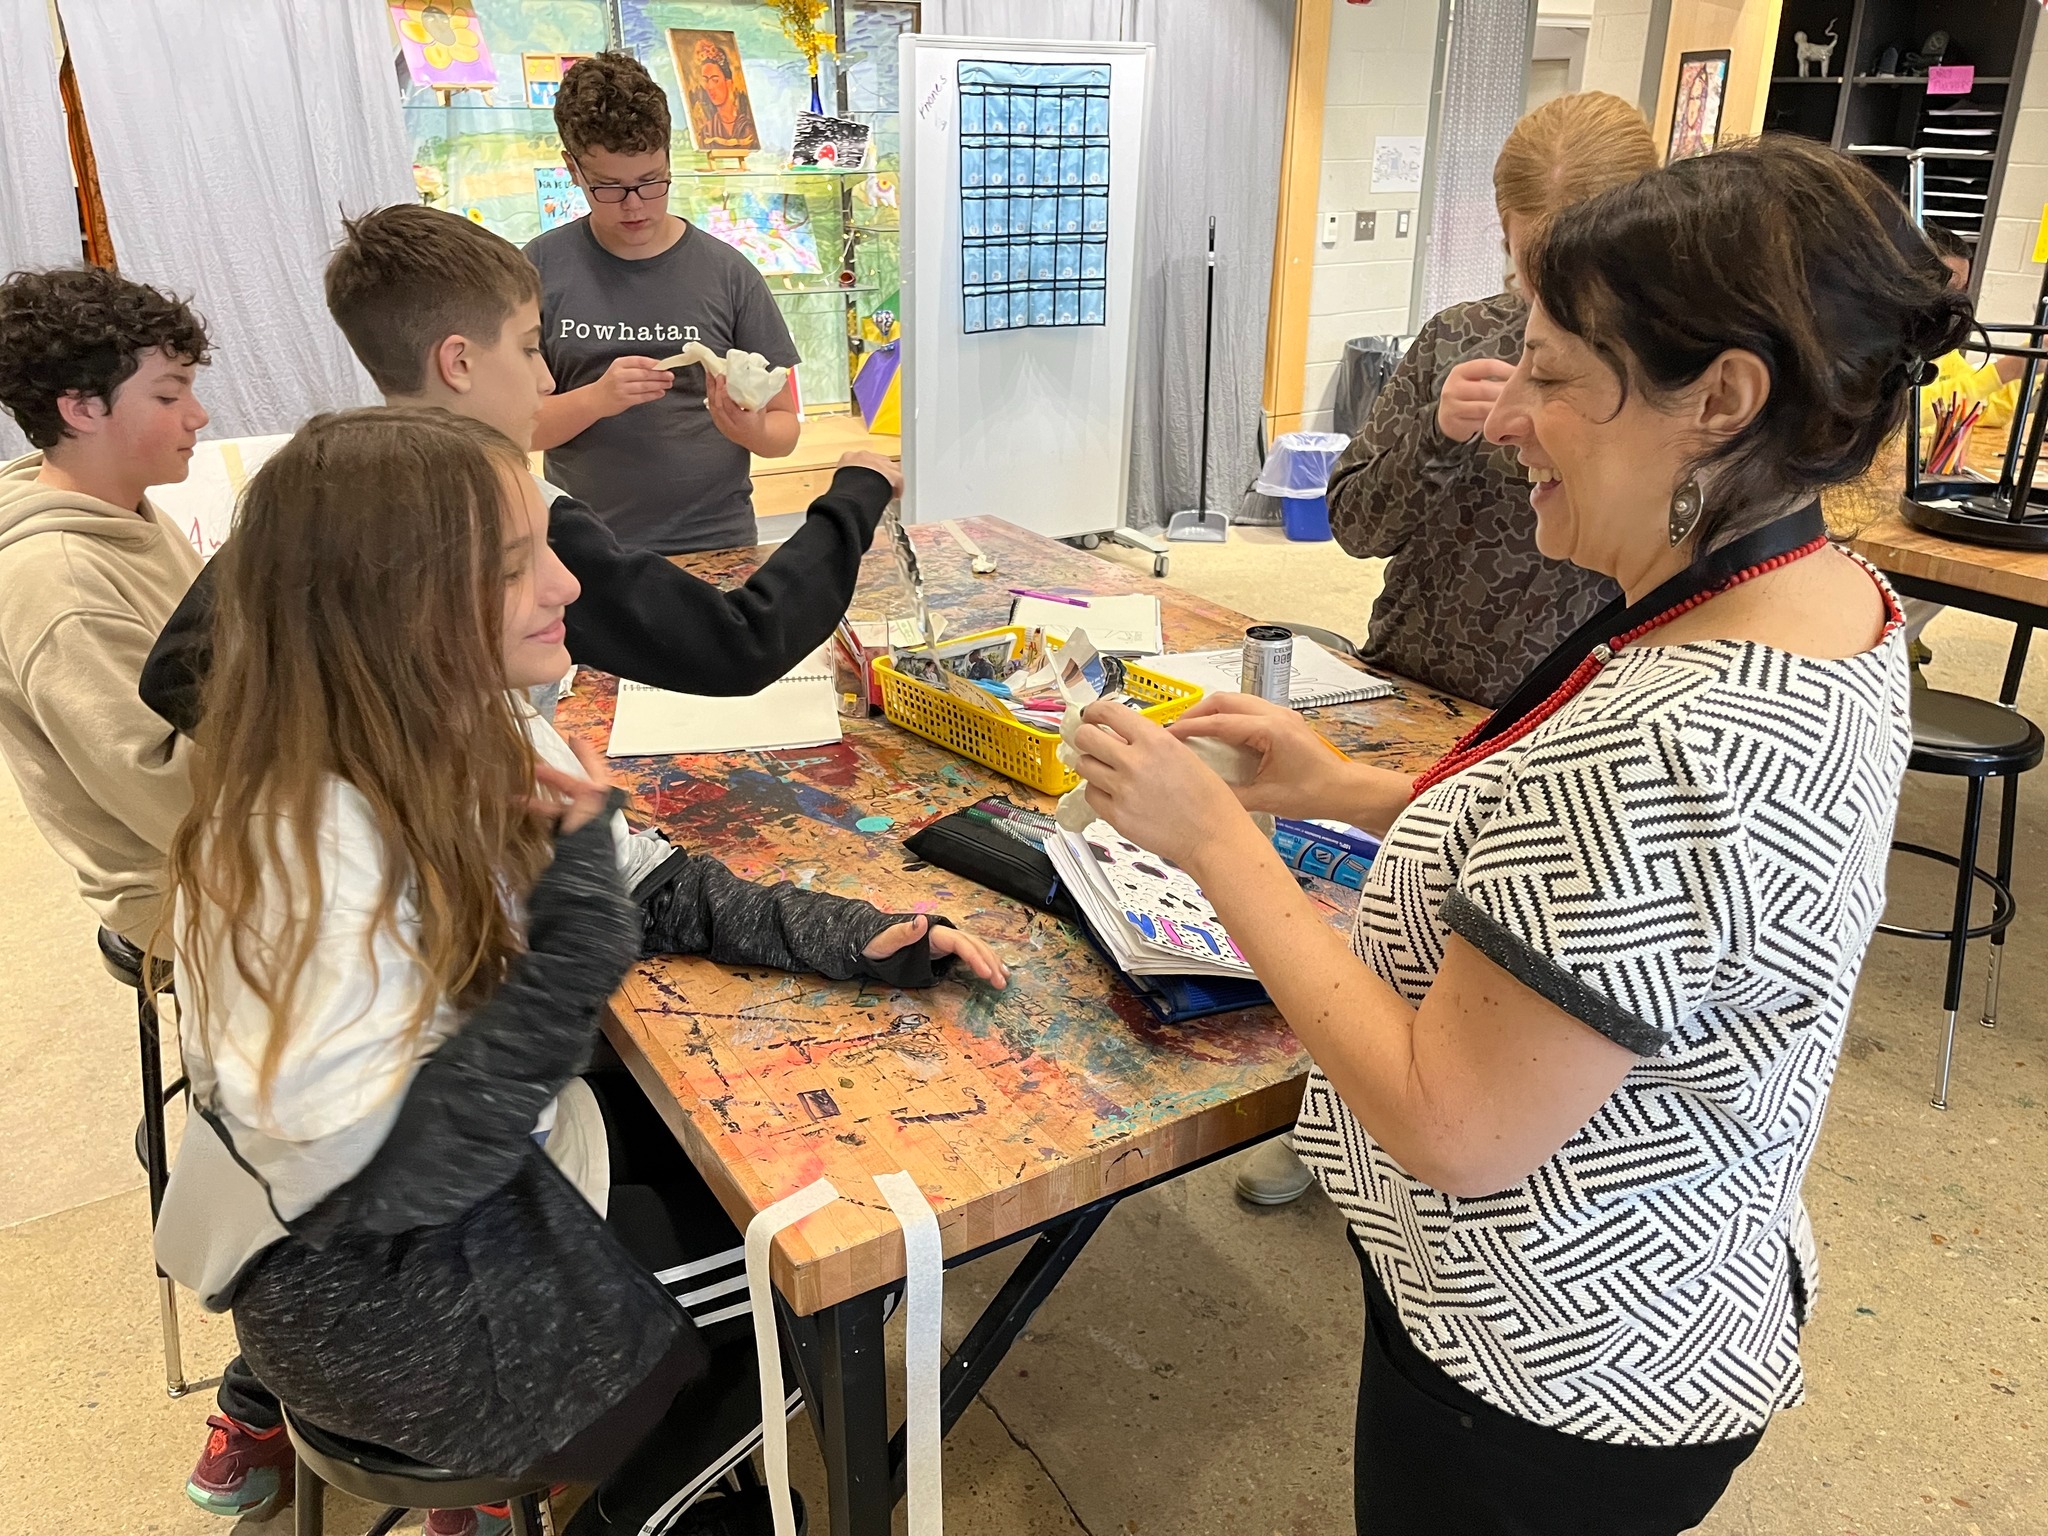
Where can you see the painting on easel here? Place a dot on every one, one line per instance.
(714, 91)
(443, 44)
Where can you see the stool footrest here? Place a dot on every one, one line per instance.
(2003, 907)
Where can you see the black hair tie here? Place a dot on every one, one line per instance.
(1921, 371)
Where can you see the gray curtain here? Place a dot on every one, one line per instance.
(38, 209)
(1219, 105)
(1485, 72)
(231, 141)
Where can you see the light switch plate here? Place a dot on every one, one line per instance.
(1401, 225)
(1331, 224)
(1363, 225)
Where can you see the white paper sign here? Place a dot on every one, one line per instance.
(1397, 163)
(202, 505)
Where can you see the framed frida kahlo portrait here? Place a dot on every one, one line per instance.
(714, 90)
(1696, 107)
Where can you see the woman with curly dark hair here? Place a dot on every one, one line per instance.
(1571, 1068)
(98, 373)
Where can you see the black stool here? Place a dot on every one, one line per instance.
(378, 1476)
(124, 963)
(1973, 739)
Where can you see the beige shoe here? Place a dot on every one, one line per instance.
(1272, 1175)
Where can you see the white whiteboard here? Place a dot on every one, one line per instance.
(1033, 425)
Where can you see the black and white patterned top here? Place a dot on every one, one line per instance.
(1690, 858)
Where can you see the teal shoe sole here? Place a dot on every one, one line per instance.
(259, 1496)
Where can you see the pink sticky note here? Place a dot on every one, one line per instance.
(1951, 79)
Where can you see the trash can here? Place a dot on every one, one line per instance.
(1368, 363)
(1297, 472)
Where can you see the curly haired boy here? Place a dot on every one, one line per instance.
(661, 457)
(98, 372)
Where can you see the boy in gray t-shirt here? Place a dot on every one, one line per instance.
(662, 457)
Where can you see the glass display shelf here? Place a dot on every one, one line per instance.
(1922, 80)
(821, 293)
(784, 175)
(494, 157)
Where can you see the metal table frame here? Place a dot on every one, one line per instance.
(843, 1367)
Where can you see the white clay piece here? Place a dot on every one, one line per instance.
(748, 378)
(1233, 764)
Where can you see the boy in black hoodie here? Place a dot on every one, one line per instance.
(440, 311)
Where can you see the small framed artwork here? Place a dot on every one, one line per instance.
(544, 73)
(1696, 108)
(715, 90)
(561, 200)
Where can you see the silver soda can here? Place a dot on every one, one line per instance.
(1268, 662)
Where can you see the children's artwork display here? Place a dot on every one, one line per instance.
(771, 229)
(491, 154)
(714, 81)
(443, 44)
(878, 387)
(828, 143)
(1696, 115)
(561, 200)
(544, 73)
(1034, 194)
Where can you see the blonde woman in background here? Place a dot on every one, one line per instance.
(1469, 605)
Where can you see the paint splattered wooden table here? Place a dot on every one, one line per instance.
(2004, 583)
(1026, 1111)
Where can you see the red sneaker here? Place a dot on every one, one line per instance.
(486, 1520)
(243, 1471)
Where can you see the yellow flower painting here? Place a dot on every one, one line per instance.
(443, 43)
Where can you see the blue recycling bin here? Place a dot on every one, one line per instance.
(1306, 518)
(1297, 472)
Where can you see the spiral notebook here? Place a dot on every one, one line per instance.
(1319, 679)
(800, 709)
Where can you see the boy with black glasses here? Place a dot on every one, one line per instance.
(661, 457)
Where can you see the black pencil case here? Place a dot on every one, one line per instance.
(962, 845)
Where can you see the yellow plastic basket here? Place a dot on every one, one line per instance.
(1020, 751)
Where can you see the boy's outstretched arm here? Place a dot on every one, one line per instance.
(643, 618)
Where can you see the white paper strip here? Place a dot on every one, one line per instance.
(924, 1269)
(761, 1233)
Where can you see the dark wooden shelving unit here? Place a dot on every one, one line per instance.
(1890, 122)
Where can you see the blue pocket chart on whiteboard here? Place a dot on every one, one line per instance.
(1034, 194)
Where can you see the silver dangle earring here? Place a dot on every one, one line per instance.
(1686, 506)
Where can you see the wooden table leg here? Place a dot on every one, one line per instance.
(846, 1384)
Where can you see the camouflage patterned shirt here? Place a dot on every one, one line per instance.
(1469, 605)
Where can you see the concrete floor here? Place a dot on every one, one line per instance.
(1194, 1373)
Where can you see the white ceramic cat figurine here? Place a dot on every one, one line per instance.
(1815, 53)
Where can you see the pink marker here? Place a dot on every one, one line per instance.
(1050, 597)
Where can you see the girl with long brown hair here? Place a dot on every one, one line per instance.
(401, 901)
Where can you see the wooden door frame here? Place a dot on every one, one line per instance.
(1294, 226)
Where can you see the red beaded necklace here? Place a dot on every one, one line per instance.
(1470, 749)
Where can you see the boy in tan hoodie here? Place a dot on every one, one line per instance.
(98, 372)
